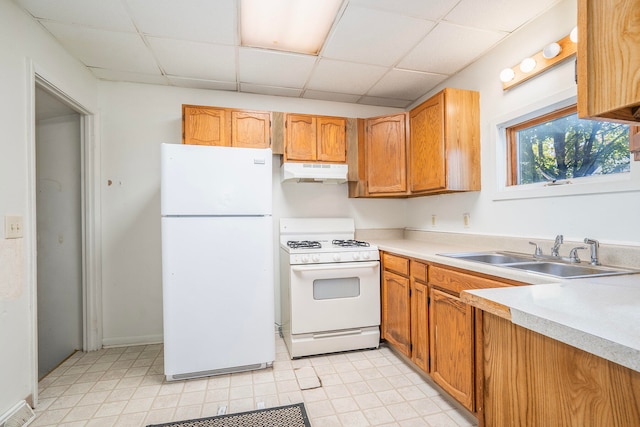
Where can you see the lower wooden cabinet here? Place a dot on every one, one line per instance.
(452, 346)
(534, 380)
(424, 319)
(396, 306)
(419, 315)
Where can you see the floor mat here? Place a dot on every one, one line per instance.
(282, 416)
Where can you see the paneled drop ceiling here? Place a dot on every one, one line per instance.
(379, 52)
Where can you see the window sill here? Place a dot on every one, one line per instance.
(618, 183)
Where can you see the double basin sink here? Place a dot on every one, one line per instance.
(530, 264)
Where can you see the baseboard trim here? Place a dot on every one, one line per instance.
(130, 341)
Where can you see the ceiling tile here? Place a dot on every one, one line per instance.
(448, 48)
(270, 90)
(330, 96)
(374, 36)
(124, 76)
(498, 15)
(109, 15)
(105, 49)
(193, 59)
(384, 102)
(271, 68)
(344, 77)
(195, 20)
(407, 85)
(202, 84)
(424, 9)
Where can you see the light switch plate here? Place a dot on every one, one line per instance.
(12, 227)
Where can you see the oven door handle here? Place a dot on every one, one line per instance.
(345, 266)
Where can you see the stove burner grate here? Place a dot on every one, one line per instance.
(304, 244)
(350, 243)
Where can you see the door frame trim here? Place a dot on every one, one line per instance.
(92, 328)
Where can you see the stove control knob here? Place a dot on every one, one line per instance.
(366, 255)
(336, 257)
(356, 256)
(315, 258)
(305, 258)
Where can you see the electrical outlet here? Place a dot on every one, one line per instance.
(12, 227)
(433, 220)
(466, 219)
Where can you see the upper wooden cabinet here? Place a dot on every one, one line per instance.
(315, 138)
(435, 148)
(227, 127)
(386, 155)
(444, 143)
(608, 62)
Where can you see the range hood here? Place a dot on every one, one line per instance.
(326, 173)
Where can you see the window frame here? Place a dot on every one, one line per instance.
(595, 184)
(511, 135)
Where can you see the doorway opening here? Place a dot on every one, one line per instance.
(59, 231)
(63, 214)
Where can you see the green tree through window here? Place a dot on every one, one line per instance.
(564, 147)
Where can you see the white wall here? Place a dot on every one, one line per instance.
(23, 41)
(135, 119)
(607, 216)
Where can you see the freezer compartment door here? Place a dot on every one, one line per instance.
(203, 180)
(218, 295)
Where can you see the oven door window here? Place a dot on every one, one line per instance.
(344, 287)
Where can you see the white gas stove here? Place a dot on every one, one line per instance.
(330, 287)
(322, 241)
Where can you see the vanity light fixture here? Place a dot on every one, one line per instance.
(552, 54)
(573, 35)
(507, 75)
(527, 65)
(551, 51)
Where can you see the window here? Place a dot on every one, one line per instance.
(557, 147)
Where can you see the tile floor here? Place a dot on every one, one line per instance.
(125, 386)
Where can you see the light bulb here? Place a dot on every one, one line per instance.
(551, 51)
(507, 75)
(573, 35)
(527, 65)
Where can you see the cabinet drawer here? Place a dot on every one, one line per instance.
(395, 263)
(419, 271)
(455, 282)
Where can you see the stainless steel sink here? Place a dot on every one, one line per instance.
(491, 257)
(530, 264)
(570, 271)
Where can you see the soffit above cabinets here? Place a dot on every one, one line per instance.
(378, 52)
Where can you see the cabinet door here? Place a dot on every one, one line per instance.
(386, 154)
(250, 129)
(420, 325)
(205, 126)
(301, 138)
(427, 146)
(332, 139)
(396, 315)
(608, 62)
(452, 346)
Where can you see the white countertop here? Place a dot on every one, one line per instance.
(600, 315)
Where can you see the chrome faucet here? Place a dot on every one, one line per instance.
(594, 245)
(573, 254)
(556, 245)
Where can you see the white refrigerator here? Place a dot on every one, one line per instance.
(217, 260)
